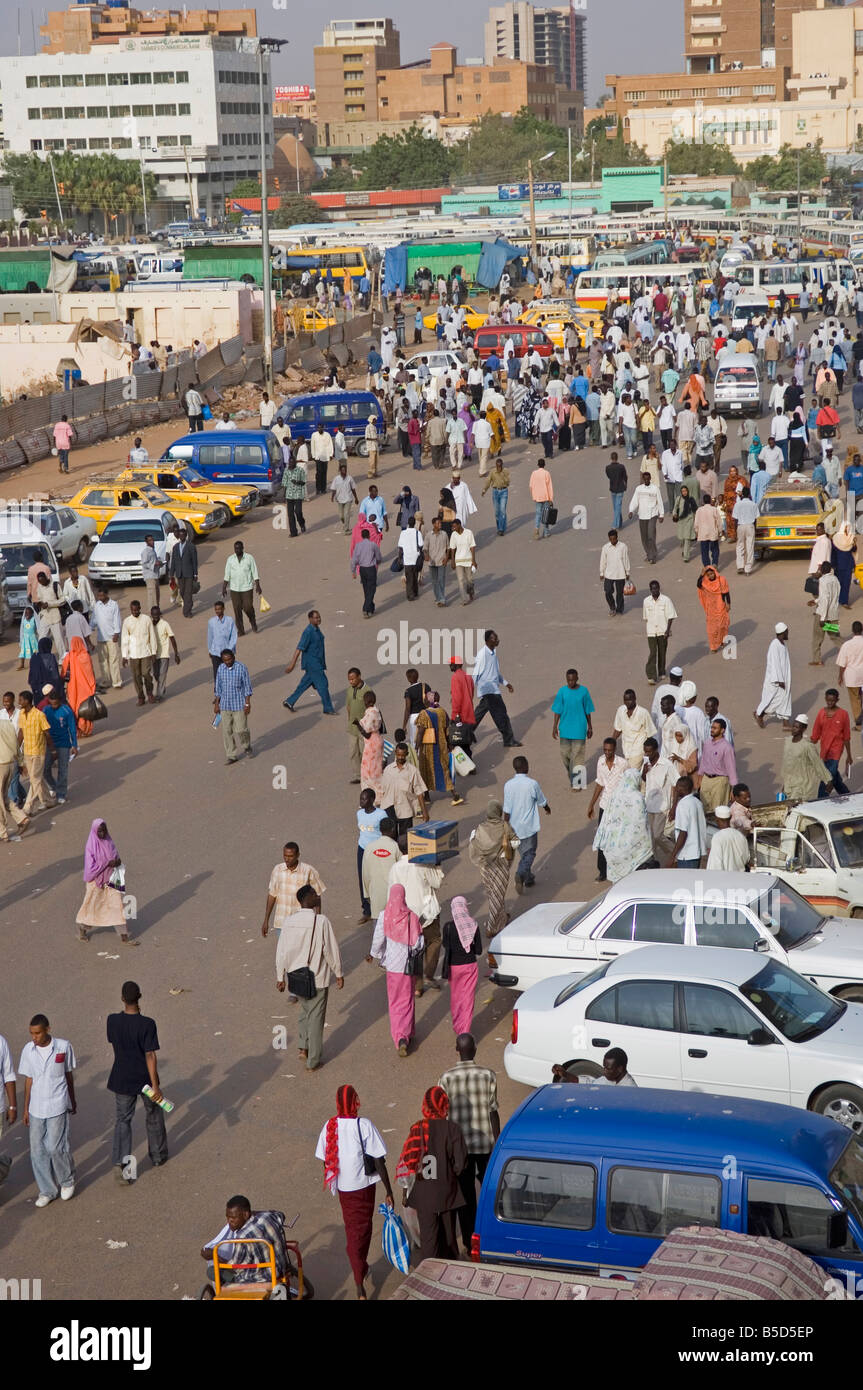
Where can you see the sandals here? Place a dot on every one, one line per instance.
(83, 935)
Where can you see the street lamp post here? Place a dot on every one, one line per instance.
(266, 46)
(541, 160)
(143, 189)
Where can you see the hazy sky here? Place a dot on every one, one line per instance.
(622, 35)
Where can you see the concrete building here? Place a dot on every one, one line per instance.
(553, 36)
(186, 106)
(442, 87)
(347, 64)
(631, 96)
(79, 27)
(721, 35)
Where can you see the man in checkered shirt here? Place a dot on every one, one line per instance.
(472, 1092)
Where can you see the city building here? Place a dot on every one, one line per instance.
(79, 27)
(186, 106)
(441, 86)
(347, 64)
(553, 36)
(721, 35)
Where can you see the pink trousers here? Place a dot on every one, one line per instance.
(462, 991)
(400, 997)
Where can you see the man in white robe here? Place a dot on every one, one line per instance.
(464, 503)
(776, 690)
(729, 848)
(693, 717)
(669, 687)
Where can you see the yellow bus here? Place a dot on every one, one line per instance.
(342, 261)
(592, 286)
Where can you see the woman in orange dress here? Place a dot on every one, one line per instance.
(716, 602)
(76, 669)
(729, 497)
(692, 393)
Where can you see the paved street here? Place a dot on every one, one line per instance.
(199, 840)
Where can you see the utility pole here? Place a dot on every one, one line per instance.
(60, 210)
(665, 192)
(192, 208)
(592, 158)
(143, 188)
(569, 154)
(266, 46)
(799, 212)
(532, 211)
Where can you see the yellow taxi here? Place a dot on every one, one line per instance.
(185, 484)
(790, 511)
(556, 318)
(474, 318)
(100, 499)
(308, 319)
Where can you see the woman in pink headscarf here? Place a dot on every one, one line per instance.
(397, 936)
(461, 945)
(363, 524)
(103, 900)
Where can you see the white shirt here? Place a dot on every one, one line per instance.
(106, 620)
(626, 414)
(779, 427)
(614, 561)
(411, 544)
(647, 500)
(482, 433)
(352, 1176)
(7, 1073)
(267, 413)
(771, 459)
(547, 419)
(659, 783)
(137, 638)
(461, 545)
(689, 820)
(47, 1068)
(139, 455)
(83, 591)
(322, 446)
(672, 465)
(657, 614)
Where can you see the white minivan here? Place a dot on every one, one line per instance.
(22, 545)
(737, 384)
(749, 306)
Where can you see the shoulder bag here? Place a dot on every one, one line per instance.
(416, 959)
(302, 982)
(370, 1165)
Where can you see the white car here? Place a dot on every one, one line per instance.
(734, 1023)
(440, 362)
(682, 907)
(117, 556)
(69, 534)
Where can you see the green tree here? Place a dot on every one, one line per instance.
(296, 209)
(246, 188)
(779, 172)
(337, 180)
(698, 157)
(407, 160)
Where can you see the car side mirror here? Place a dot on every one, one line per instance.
(761, 945)
(760, 1037)
(837, 1230)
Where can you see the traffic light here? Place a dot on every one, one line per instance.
(62, 187)
(44, 213)
(276, 182)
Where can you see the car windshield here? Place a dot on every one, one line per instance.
(571, 921)
(847, 836)
(736, 376)
(193, 477)
(581, 983)
(177, 452)
(797, 1008)
(789, 506)
(789, 916)
(19, 558)
(847, 1177)
(128, 532)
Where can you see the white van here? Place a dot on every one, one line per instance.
(21, 545)
(749, 305)
(737, 384)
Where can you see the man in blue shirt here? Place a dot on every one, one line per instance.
(758, 484)
(64, 744)
(579, 386)
(572, 708)
(487, 682)
(374, 362)
(233, 701)
(369, 818)
(853, 476)
(221, 636)
(522, 798)
(314, 662)
(492, 362)
(374, 508)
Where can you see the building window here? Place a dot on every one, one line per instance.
(95, 79)
(166, 109)
(52, 113)
(160, 78)
(668, 94)
(355, 91)
(352, 57)
(141, 79)
(181, 76)
(634, 96)
(74, 113)
(76, 144)
(33, 113)
(35, 144)
(52, 80)
(118, 79)
(498, 76)
(354, 110)
(351, 76)
(32, 82)
(120, 111)
(55, 144)
(167, 140)
(185, 139)
(477, 77)
(458, 97)
(478, 96)
(97, 113)
(142, 110)
(121, 142)
(767, 89)
(100, 142)
(72, 79)
(729, 91)
(699, 91)
(183, 108)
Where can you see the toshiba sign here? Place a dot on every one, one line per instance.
(297, 93)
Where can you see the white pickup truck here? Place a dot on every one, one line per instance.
(817, 846)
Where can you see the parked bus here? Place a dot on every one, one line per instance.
(340, 260)
(652, 252)
(592, 286)
(772, 276)
(831, 239)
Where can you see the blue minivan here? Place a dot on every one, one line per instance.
(348, 411)
(250, 457)
(594, 1177)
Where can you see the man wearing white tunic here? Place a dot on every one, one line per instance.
(729, 848)
(464, 503)
(693, 717)
(776, 690)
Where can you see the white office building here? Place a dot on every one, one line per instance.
(187, 106)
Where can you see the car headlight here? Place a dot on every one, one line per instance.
(211, 519)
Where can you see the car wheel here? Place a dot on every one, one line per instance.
(589, 1070)
(856, 912)
(362, 448)
(83, 550)
(207, 1294)
(843, 1104)
(225, 513)
(853, 994)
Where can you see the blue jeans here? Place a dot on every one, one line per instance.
(617, 504)
(416, 450)
(59, 758)
(499, 496)
(832, 766)
(50, 1155)
(630, 439)
(783, 445)
(688, 863)
(314, 676)
(771, 369)
(527, 854)
(710, 552)
(438, 579)
(541, 526)
(15, 791)
(154, 1115)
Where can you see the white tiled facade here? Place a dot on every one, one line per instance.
(189, 104)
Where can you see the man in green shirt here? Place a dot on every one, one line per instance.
(294, 483)
(241, 578)
(498, 481)
(355, 707)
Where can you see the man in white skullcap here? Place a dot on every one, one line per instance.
(802, 768)
(776, 690)
(729, 848)
(692, 716)
(671, 686)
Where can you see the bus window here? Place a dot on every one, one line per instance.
(745, 275)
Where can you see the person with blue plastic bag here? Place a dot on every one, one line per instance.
(354, 1156)
(433, 1156)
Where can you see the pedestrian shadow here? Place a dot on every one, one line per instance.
(739, 630)
(199, 1104)
(292, 726)
(157, 909)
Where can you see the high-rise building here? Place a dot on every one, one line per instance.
(79, 27)
(551, 36)
(347, 64)
(726, 35)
